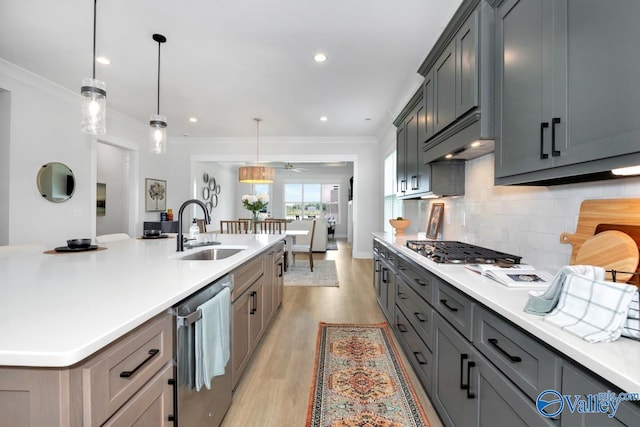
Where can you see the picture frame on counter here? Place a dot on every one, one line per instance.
(155, 195)
(435, 220)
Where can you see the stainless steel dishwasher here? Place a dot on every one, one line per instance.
(206, 407)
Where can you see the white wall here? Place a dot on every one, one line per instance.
(44, 127)
(525, 221)
(363, 152)
(5, 165)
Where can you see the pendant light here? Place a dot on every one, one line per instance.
(94, 96)
(158, 123)
(257, 174)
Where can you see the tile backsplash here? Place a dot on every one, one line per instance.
(522, 220)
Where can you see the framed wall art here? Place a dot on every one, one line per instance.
(155, 195)
(435, 220)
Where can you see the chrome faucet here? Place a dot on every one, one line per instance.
(207, 220)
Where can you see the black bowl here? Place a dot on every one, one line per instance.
(79, 243)
(152, 233)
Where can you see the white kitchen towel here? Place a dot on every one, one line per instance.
(541, 303)
(631, 327)
(212, 338)
(594, 310)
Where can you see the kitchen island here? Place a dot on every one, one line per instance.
(615, 362)
(58, 309)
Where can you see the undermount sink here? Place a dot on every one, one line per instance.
(211, 254)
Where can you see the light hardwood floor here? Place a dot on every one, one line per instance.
(274, 390)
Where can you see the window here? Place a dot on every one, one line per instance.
(392, 205)
(312, 201)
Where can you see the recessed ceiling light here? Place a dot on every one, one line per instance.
(193, 119)
(323, 119)
(103, 60)
(448, 156)
(319, 57)
(368, 119)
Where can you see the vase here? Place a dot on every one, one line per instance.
(253, 222)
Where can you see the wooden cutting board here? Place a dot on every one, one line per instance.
(601, 211)
(612, 250)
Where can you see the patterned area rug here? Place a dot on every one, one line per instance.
(359, 380)
(324, 273)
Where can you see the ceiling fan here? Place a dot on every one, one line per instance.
(291, 168)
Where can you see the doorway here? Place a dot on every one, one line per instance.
(114, 208)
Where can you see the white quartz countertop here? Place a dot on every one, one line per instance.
(57, 309)
(617, 362)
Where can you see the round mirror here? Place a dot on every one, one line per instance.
(56, 182)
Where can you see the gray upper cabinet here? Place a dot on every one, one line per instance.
(467, 66)
(428, 129)
(566, 91)
(444, 74)
(458, 85)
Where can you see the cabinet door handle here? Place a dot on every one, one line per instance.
(128, 374)
(514, 359)
(401, 327)
(420, 317)
(463, 357)
(385, 275)
(403, 186)
(420, 358)
(281, 269)
(543, 155)
(554, 122)
(254, 303)
(414, 178)
(377, 267)
(444, 302)
(469, 394)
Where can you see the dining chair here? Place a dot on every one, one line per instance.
(202, 225)
(233, 226)
(105, 238)
(305, 248)
(268, 226)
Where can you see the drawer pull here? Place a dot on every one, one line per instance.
(469, 394)
(419, 282)
(420, 316)
(420, 358)
(402, 296)
(128, 374)
(514, 359)
(401, 327)
(254, 302)
(444, 302)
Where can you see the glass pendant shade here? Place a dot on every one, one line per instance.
(94, 107)
(256, 174)
(158, 134)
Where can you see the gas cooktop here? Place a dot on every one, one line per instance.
(452, 252)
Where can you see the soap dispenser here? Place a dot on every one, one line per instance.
(194, 231)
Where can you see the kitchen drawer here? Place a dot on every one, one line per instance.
(417, 311)
(113, 376)
(530, 365)
(246, 275)
(416, 277)
(152, 406)
(418, 354)
(456, 307)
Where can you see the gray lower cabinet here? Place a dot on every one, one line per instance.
(417, 352)
(578, 382)
(566, 92)
(387, 295)
(469, 391)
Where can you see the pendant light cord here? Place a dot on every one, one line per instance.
(95, 5)
(159, 43)
(258, 120)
